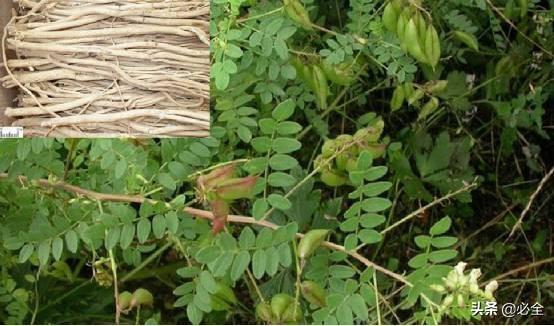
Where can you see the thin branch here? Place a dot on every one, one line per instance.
(415, 213)
(201, 214)
(531, 200)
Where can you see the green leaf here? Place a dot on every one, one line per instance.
(261, 144)
(167, 181)
(258, 263)
(280, 179)
(72, 241)
(375, 173)
(285, 256)
(158, 226)
(194, 314)
(422, 241)
(282, 162)
(189, 271)
(344, 315)
(441, 226)
(207, 254)
(341, 271)
(350, 242)
(284, 110)
(376, 188)
(441, 256)
(120, 168)
(358, 306)
(370, 236)
(127, 235)
(112, 238)
(44, 252)
(272, 261)
(143, 229)
(365, 159)
(259, 208)
(288, 127)
(371, 220)
(372, 205)
(208, 282)
(247, 238)
(418, 261)
(279, 201)
(25, 252)
(57, 248)
(244, 134)
(222, 264)
(240, 264)
(285, 145)
(172, 222)
(443, 242)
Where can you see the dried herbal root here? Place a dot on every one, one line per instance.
(110, 68)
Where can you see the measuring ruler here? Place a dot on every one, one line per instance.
(11, 132)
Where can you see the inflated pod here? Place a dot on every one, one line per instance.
(310, 242)
(468, 39)
(124, 300)
(279, 303)
(263, 311)
(398, 98)
(333, 179)
(411, 35)
(142, 297)
(297, 13)
(313, 293)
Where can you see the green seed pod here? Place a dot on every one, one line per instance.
(468, 39)
(321, 89)
(428, 108)
(390, 17)
(329, 148)
(375, 131)
(236, 188)
(263, 311)
(341, 161)
(351, 165)
(416, 96)
(313, 293)
(310, 242)
(142, 297)
(376, 150)
(408, 89)
(297, 13)
(432, 46)
(397, 98)
(218, 304)
(421, 27)
(292, 314)
(400, 30)
(279, 303)
(226, 293)
(124, 300)
(333, 179)
(341, 74)
(436, 87)
(504, 65)
(412, 38)
(343, 140)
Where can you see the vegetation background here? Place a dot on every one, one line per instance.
(404, 139)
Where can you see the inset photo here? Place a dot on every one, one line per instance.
(98, 69)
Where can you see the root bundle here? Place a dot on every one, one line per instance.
(110, 68)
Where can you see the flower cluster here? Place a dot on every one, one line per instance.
(462, 288)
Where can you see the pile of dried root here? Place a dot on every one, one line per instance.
(110, 68)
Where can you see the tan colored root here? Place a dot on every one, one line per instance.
(99, 68)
